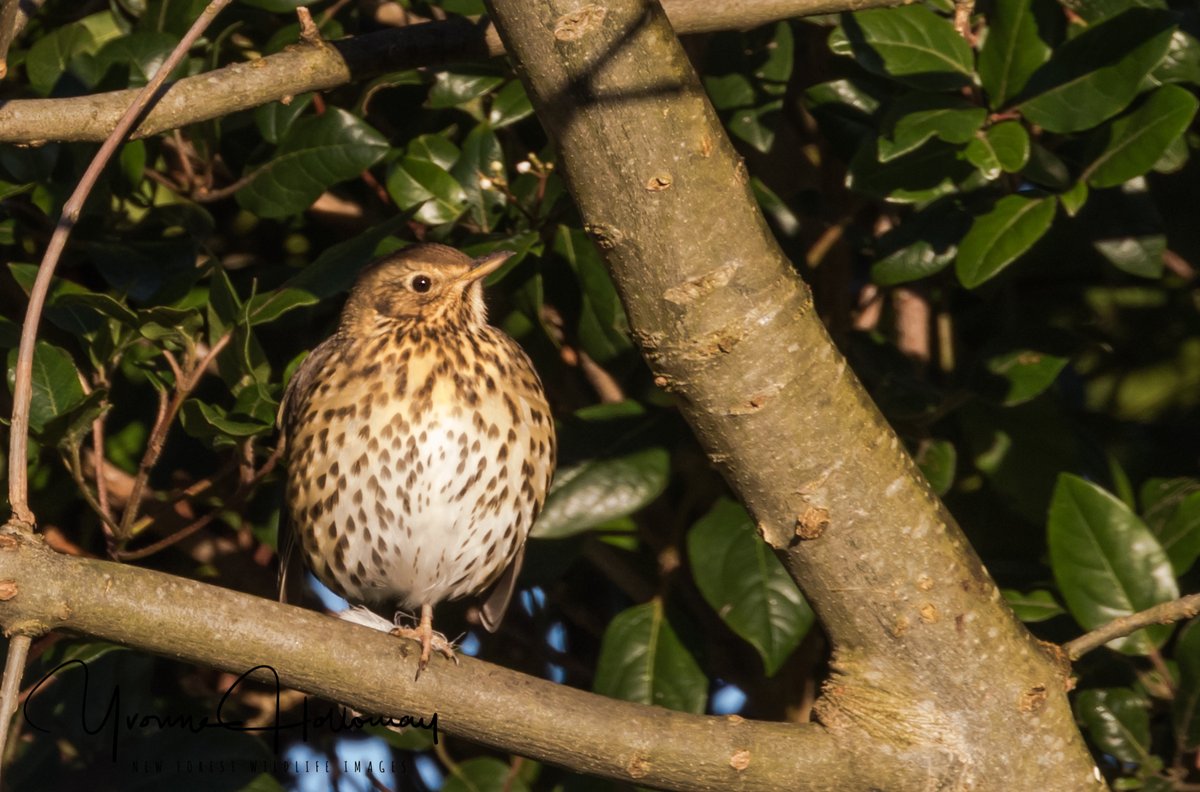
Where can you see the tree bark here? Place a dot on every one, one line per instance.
(926, 653)
(373, 672)
(321, 67)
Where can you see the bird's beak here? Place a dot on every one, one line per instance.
(486, 265)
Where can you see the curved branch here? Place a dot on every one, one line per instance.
(373, 673)
(322, 66)
(1163, 613)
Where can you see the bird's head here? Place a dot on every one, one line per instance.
(425, 283)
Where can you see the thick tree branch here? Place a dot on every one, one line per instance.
(925, 651)
(320, 67)
(1163, 613)
(373, 673)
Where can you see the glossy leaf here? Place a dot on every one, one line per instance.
(1095, 75)
(918, 117)
(509, 105)
(274, 120)
(316, 153)
(210, 423)
(1118, 720)
(910, 44)
(1017, 43)
(1177, 527)
(1003, 148)
(591, 493)
(1034, 606)
(55, 381)
(930, 172)
(999, 237)
(1132, 144)
(757, 125)
(643, 660)
(49, 55)
(1026, 373)
(452, 88)
(1106, 562)
(437, 196)
(746, 585)
(603, 326)
(925, 243)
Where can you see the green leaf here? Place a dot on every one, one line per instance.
(316, 153)
(593, 492)
(1178, 531)
(1034, 606)
(603, 326)
(998, 238)
(917, 117)
(643, 660)
(1118, 721)
(140, 54)
(509, 105)
(757, 125)
(453, 88)
(1002, 148)
(334, 270)
(55, 381)
(1026, 373)
(1132, 144)
(910, 44)
(485, 774)
(931, 171)
(481, 153)
(1137, 255)
(210, 423)
(1182, 61)
(925, 243)
(49, 55)
(1106, 562)
(1186, 706)
(1095, 75)
(276, 118)
(729, 91)
(746, 585)
(1073, 199)
(1017, 43)
(427, 186)
(938, 460)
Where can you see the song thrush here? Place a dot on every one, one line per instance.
(419, 444)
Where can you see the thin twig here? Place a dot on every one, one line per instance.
(238, 497)
(14, 669)
(18, 484)
(162, 424)
(1164, 613)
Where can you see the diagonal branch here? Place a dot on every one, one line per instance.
(373, 673)
(325, 65)
(1163, 613)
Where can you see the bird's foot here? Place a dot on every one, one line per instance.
(429, 640)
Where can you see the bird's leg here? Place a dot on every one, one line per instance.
(429, 639)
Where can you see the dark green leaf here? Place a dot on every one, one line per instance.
(485, 774)
(1073, 199)
(334, 270)
(1026, 373)
(1118, 721)
(746, 585)
(757, 125)
(139, 54)
(917, 117)
(1002, 148)
(1017, 43)
(931, 171)
(420, 183)
(643, 660)
(210, 423)
(729, 91)
(451, 89)
(586, 495)
(50, 54)
(1106, 562)
(1186, 706)
(275, 119)
(1132, 144)
(603, 326)
(1095, 75)
(1034, 606)
(509, 105)
(55, 381)
(1182, 61)
(1177, 527)
(938, 460)
(482, 157)
(910, 44)
(317, 153)
(1137, 255)
(925, 243)
(998, 238)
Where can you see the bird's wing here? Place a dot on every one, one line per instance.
(291, 566)
(496, 603)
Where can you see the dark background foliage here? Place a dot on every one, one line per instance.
(998, 222)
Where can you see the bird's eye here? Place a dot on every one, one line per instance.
(421, 283)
